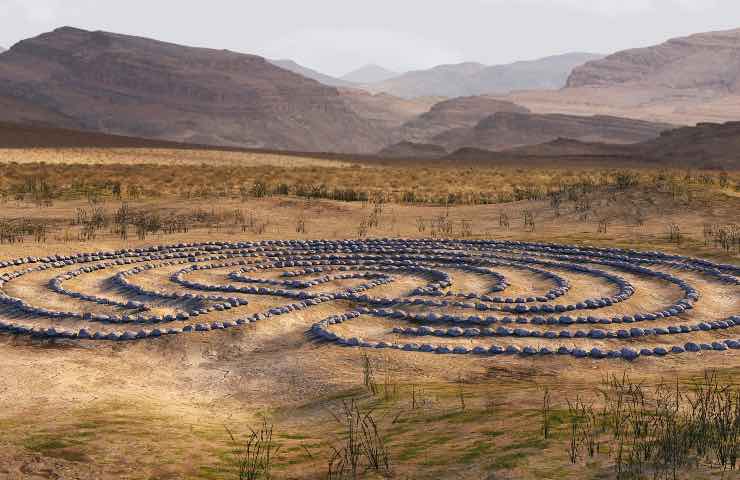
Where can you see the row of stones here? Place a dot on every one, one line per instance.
(57, 285)
(467, 263)
(322, 330)
(155, 319)
(412, 266)
(387, 245)
(726, 273)
(130, 335)
(596, 334)
(276, 251)
(304, 283)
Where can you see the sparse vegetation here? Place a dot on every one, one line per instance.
(255, 456)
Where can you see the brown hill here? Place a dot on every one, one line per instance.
(385, 111)
(713, 146)
(682, 81)
(707, 145)
(506, 130)
(709, 61)
(567, 147)
(135, 86)
(462, 112)
(13, 135)
(412, 150)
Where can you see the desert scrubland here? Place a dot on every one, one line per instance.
(167, 407)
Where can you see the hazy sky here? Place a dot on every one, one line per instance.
(336, 36)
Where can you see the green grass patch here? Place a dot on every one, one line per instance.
(507, 461)
(457, 416)
(533, 443)
(293, 436)
(410, 452)
(477, 451)
(57, 447)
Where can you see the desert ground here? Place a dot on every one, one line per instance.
(182, 405)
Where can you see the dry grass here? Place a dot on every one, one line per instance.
(157, 409)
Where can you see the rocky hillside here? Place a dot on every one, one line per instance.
(134, 86)
(463, 112)
(707, 145)
(505, 130)
(467, 79)
(386, 112)
(709, 61)
(684, 81)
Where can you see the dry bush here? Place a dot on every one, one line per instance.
(503, 221)
(726, 237)
(661, 432)
(466, 228)
(674, 233)
(528, 218)
(363, 448)
(300, 224)
(254, 456)
(413, 182)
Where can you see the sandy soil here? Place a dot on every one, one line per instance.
(157, 409)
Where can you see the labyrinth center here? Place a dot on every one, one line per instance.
(427, 296)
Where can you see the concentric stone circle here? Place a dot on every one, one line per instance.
(435, 314)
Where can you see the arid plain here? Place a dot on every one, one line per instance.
(162, 408)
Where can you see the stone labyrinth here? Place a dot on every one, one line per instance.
(436, 296)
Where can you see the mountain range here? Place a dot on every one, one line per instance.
(458, 80)
(113, 83)
(685, 80)
(364, 75)
(467, 79)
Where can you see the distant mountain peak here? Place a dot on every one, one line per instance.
(69, 29)
(295, 67)
(370, 73)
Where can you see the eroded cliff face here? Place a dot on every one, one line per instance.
(135, 86)
(706, 61)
